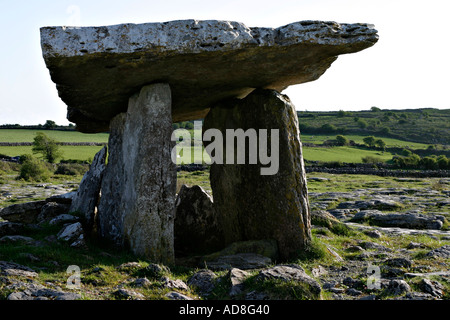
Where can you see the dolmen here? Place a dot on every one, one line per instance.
(135, 80)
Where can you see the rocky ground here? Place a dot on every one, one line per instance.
(408, 240)
(373, 238)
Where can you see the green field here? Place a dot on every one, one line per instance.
(342, 154)
(427, 126)
(25, 135)
(390, 142)
(69, 152)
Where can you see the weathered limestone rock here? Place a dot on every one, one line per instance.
(87, 197)
(8, 268)
(237, 278)
(38, 292)
(442, 252)
(17, 238)
(401, 220)
(109, 215)
(398, 287)
(62, 219)
(10, 228)
(240, 260)
(311, 287)
(250, 205)
(137, 205)
(196, 227)
(324, 219)
(203, 281)
(432, 287)
(65, 198)
(51, 210)
(71, 232)
(22, 212)
(97, 69)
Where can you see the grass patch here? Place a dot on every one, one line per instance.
(390, 142)
(316, 250)
(282, 290)
(25, 135)
(343, 154)
(83, 153)
(200, 178)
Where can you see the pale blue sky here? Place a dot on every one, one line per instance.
(407, 68)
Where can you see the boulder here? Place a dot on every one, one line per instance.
(432, 287)
(63, 219)
(142, 283)
(17, 238)
(128, 294)
(282, 272)
(264, 199)
(137, 206)
(324, 219)
(196, 227)
(441, 252)
(203, 281)
(79, 242)
(237, 278)
(62, 198)
(10, 228)
(51, 210)
(376, 204)
(401, 220)
(97, 69)
(38, 292)
(22, 212)
(398, 287)
(399, 262)
(8, 268)
(295, 273)
(244, 261)
(173, 295)
(88, 193)
(70, 233)
(176, 284)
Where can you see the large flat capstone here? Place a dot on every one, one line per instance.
(97, 69)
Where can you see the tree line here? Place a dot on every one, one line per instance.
(51, 125)
(48, 125)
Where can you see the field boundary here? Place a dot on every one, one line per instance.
(381, 172)
(20, 144)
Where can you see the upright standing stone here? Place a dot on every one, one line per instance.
(88, 193)
(137, 206)
(109, 216)
(252, 206)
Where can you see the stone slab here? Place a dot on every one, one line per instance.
(137, 204)
(250, 204)
(97, 69)
(88, 193)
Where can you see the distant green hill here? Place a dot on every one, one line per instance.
(428, 126)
